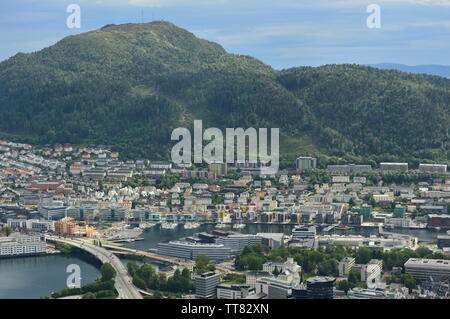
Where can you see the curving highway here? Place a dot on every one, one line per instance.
(123, 282)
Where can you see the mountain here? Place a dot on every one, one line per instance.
(131, 85)
(431, 69)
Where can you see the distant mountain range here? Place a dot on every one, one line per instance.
(431, 69)
(130, 85)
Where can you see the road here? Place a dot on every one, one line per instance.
(123, 282)
(183, 263)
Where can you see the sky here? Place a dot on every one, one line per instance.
(281, 33)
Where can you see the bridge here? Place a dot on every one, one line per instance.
(164, 259)
(123, 282)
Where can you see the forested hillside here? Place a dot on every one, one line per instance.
(131, 85)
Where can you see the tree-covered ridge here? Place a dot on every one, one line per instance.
(387, 114)
(131, 85)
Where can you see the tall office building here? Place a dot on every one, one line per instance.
(305, 163)
(320, 287)
(206, 285)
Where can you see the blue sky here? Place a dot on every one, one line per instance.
(282, 33)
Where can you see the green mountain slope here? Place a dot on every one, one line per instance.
(131, 85)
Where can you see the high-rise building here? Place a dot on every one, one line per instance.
(305, 163)
(320, 287)
(206, 285)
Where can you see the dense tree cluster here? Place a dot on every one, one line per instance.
(324, 261)
(145, 277)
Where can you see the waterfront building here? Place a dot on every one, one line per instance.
(206, 285)
(304, 236)
(425, 268)
(188, 250)
(22, 245)
(237, 242)
(273, 240)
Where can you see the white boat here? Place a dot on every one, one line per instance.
(239, 226)
(221, 225)
(190, 225)
(167, 225)
(146, 225)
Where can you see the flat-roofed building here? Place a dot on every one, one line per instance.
(424, 268)
(189, 250)
(443, 241)
(206, 285)
(237, 242)
(433, 168)
(305, 163)
(66, 226)
(393, 167)
(22, 245)
(348, 168)
(233, 291)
